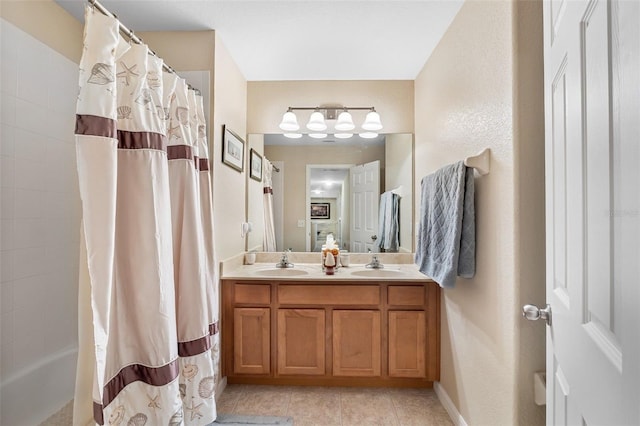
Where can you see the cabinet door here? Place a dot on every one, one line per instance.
(407, 343)
(251, 340)
(301, 341)
(356, 343)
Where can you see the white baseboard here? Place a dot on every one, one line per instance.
(448, 405)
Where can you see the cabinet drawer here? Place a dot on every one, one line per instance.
(252, 293)
(406, 295)
(329, 294)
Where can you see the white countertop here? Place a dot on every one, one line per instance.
(313, 272)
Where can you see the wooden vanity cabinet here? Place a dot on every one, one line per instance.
(343, 333)
(356, 343)
(251, 340)
(301, 342)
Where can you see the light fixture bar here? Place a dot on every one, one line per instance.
(325, 108)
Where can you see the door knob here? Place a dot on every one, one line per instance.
(533, 313)
(374, 237)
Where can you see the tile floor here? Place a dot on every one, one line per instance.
(334, 406)
(323, 406)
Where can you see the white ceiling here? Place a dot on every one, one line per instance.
(303, 40)
(327, 182)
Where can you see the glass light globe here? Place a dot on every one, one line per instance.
(316, 122)
(343, 135)
(289, 122)
(372, 121)
(345, 122)
(368, 135)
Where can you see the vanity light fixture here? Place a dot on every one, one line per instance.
(343, 135)
(368, 135)
(293, 135)
(318, 135)
(344, 124)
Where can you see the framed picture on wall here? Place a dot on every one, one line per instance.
(232, 149)
(255, 165)
(320, 210)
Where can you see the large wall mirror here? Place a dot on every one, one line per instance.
(313, 193)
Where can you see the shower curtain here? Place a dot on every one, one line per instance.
(150, 293)
(269, 242)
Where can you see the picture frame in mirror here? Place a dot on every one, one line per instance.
(320, 211)
(255, 165)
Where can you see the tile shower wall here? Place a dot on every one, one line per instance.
(40, 211)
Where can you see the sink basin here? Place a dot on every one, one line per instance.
(281, 272)
(379, 273)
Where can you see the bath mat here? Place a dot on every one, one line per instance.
(240, 420)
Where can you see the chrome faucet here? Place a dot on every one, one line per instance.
(375, 263)
(284, 261)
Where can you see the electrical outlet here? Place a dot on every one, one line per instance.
(300, 223)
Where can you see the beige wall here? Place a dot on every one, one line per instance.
(47, 22)
(465, 97)
(229, 203)
(255, 199)
(399, 172)
(296, 160)
(268, 100)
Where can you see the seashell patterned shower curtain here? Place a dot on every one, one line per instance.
(269, 241)
(148, 295)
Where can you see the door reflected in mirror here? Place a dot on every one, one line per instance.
(322, 171)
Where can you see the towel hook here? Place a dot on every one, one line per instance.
(481, 162)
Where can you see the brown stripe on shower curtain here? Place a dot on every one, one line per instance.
(178, 152)
(204, 164)
(141, 140)
(194, 347)
(92, 125)
(198, 346)
(98, 415)
(214, 328)
(154, 376)
(267, 190)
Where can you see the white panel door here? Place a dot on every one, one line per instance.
(592, 110)
(365, 199)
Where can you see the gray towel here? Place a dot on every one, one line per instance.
(388, 226)
(446, 244)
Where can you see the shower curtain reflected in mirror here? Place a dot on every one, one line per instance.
(269, 226)
(148, 303)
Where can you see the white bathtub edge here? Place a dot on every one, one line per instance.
(35, 393)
